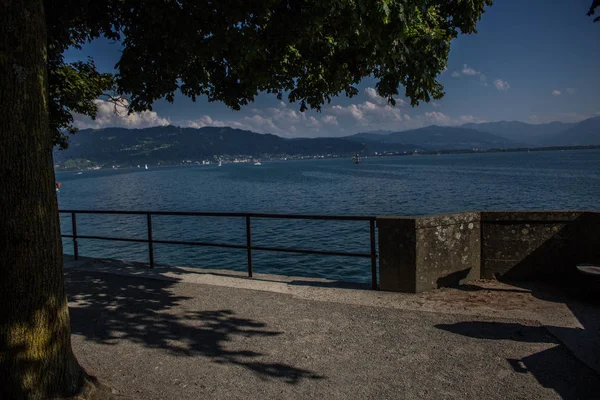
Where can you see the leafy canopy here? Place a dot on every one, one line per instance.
(592, 11)
(230, 51)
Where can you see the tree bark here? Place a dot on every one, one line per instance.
(36, 360)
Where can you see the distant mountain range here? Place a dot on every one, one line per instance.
(170, 144)
(433, 138)
(488, 135)
(585, 133)
(534, 135)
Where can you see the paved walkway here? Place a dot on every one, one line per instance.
(176, 333)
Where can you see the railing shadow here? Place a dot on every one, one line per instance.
(108, 308)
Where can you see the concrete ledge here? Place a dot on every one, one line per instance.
(530, 216)
(538, 245)
(424, 253)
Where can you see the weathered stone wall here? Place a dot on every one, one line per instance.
(538, 245)
(448, 250)
(423, 253)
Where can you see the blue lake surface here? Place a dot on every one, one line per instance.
(406, 185)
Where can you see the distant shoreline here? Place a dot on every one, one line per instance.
(473, 151)
(371, 155)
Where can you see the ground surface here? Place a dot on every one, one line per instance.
(178, 334)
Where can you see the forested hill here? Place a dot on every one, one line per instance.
(170, 144)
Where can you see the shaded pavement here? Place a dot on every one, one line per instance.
(171, 339)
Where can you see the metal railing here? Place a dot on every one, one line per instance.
(248, 246)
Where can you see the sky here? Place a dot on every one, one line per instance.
(534, 61)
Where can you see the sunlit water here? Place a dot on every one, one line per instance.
(409, 185)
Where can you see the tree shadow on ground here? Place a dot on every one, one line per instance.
(108, 308)
(554, 368)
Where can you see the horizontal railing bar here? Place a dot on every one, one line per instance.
(207, 244)
(225, 245)
(303, 251)
(228, 214)
(180, 242)
(108, 238)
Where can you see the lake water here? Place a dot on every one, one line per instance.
(408, 185)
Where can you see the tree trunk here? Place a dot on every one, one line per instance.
(36, 360)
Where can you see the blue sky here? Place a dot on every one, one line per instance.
(534, 61)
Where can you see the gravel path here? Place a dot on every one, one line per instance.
(168, 339)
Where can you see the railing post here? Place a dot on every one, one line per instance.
(150, 244)
(74, 229)
(249, 244)
(373, 256)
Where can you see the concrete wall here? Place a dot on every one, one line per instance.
(397, 254)
(538, 245)
(423, 253)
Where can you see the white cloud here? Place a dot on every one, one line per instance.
(571, 90)
(279, 114)
(109, 116)
(313, 122)
(367, 105)
(466, 70)
(280, 121)
(556, 92)
(372, 95)
(501, 85)
(206, 120)
(289, 122)
(330, 119)
(367, 111)
(352, 110)
(263, 123)
(470, 71)
(438, 118)
(335, 120)
(464, 119)
(369, 116)
(436, 105)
